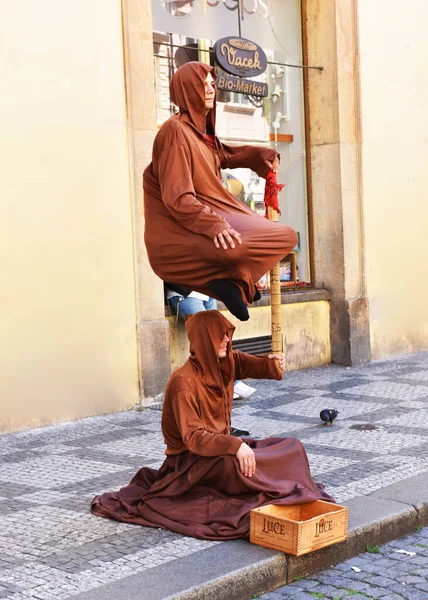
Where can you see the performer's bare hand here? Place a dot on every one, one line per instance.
(273, 165)
(280, 361)
(227, 237)
(247, 460)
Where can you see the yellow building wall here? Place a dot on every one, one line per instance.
(394, 55)
(68, 341)
(306, 328)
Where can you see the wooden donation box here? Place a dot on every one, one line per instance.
(299, 529)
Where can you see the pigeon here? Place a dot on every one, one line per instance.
(328, 415)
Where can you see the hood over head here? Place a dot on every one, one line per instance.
(206, 330)
(187, 91)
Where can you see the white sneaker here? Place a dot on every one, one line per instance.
(243, 390)
(235, 395)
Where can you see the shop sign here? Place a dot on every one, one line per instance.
(242, 86)
(240, 57)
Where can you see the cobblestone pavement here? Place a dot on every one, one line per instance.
(396, 571)
(51, 547)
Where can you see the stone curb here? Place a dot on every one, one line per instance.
(241, 584)
(374, 520)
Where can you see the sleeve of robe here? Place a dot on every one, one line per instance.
(258, 367)
(195, 437)
(249, 157)
(178, 193)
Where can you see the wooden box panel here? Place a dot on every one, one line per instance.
(299, 529)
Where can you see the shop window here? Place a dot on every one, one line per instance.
(186, 30)
(240, 99)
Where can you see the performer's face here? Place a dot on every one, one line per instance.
(222, 353)
(209, 92)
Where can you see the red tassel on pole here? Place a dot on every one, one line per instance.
(272, 189)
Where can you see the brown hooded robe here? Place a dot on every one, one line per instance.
(186, 206)
(199, 490)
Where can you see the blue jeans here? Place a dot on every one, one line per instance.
(190, 306)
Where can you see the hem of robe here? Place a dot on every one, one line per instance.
(208, 497)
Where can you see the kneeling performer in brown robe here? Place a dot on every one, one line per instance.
(211, 480)
(197, 234)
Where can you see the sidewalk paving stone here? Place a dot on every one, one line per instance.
(51, 547)
(379, 575)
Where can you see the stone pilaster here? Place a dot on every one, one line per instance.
(152, 328)
(334, 142)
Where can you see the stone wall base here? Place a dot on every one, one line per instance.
(350, 331)
(154, 362)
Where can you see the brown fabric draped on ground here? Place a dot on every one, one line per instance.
(185, 204)
(208, 497)
(200, 490)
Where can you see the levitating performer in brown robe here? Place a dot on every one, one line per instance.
(198, 234)
(211, 480)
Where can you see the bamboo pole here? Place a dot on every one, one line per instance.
(275, 298)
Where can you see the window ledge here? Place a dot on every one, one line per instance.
(290, 297)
